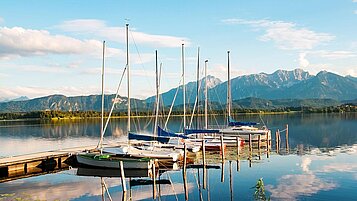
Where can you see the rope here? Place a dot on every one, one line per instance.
(112, 108)
(172, 104)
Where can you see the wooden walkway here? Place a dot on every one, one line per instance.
(16, 167)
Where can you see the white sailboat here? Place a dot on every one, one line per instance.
(241, 129)
(109, 160)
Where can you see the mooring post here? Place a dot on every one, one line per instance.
(279, 140)
(287, 138)
(259, 154)
(154, 181)
(250, 144)
(222, 148)
(276, 142)
(184, 157)
(122, 176)
(238, 145)
(204, 163)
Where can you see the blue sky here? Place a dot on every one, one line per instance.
(54, 47)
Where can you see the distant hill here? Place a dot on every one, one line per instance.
(280, 89)
(63, 103)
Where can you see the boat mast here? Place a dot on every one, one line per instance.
(128, 71)
(229, 101)
(206, 96)
(157, 96)
(102, 116)
(183, 86)
(198, 87)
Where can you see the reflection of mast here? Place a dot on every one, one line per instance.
(104, 189)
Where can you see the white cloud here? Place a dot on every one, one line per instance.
(100, 28)
(341, 54)
(303, 62)
(355, 12)
(286, 35)
(18, 41)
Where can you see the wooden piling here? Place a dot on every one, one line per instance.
(184, 157)
(276, 142)
(122, 176)
(279, 140)
(238, 146)
(222, 148)
(204, 163)
(154, 182)
(222, 172)
(250, 144)
(287, 138)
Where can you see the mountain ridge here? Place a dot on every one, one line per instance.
(279, 85)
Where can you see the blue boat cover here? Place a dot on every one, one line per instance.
(162, 133)
(145, 137)
(232, 122)
(193, 131)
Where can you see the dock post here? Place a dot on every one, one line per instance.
(184, 157)
(287, 138)
(279, 139)
(204, 163)
(276, 142)
(250, 144)
(238, 146)
(259, 154)
(122, 176)
(222, 147)
(222, 172)
(154, 182)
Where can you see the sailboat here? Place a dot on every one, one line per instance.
(237, 128)
(102, 159)
(142, 152)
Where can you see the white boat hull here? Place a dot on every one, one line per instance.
(115, 163)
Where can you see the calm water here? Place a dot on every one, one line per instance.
(321, 164)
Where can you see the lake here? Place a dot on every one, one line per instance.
(321, 163)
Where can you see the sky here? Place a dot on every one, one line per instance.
(55, 47)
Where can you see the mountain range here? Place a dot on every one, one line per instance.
(279, 89)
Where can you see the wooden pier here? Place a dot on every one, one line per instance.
(28, 165)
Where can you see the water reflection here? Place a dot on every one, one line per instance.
(321, 163)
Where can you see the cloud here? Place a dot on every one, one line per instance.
(286, 35)
(355, 12)
(290, 187)
(1, 20)
(100, 28)
(333, 54)
(18, 41)
(303, 62)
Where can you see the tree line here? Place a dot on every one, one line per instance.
(96, 114)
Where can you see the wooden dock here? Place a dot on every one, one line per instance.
(28, 165)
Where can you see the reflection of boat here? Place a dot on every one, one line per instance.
(108, 172)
